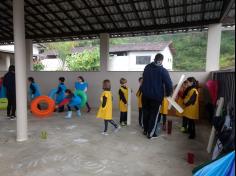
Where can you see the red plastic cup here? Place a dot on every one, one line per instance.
(169, 129)
(191, 158)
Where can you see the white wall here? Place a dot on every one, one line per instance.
(168, 59)
(128, 63)
(5, 61)
(10, 48)
(118, 63)
(52, 64)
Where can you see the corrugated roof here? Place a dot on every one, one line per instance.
(56, 20)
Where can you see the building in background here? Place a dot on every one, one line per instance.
(134, 57)
(7, 55)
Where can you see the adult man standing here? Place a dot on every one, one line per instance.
(156, 84)
(10, 85)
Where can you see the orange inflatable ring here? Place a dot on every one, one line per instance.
(42, 113)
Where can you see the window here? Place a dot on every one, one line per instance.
(227, 52)
(68, 56)
(143, 60)
(182, 52)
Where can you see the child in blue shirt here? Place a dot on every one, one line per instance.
(60, 94)
(34, 89)
(82, 86)
(71, 101)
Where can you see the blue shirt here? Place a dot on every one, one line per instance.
(81, 86)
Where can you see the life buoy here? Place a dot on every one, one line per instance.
(43, 113)
(3, 103)
(83, 97)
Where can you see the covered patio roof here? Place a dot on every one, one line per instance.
(56, 20)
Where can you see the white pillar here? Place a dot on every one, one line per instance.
(20, 63)
(213, 47)
(8, 61)
(29, 55)
(104, 51)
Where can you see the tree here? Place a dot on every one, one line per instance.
(38, 66)
(227, 57)
(88, 60)
(63, 49)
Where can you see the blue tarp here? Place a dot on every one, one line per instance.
(221, 167)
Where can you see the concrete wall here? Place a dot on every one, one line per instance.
(6, 59)
(48, 80)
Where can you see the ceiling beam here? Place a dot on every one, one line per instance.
(69, 18)
(80, 14)
(154, 28)
(94, 15)
(121, 3)
(57, 16)
(132, 3)
(107, 13)
(167, 9)
(10, 27)
(35, 16)
(185, 7)
(227, 5)
(152, 11)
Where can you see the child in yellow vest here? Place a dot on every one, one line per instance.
(140, 106)
(105, 110)
(123, 101)
(163, 113)
(191, 106)
(180, 101)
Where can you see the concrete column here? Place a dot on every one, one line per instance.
(29, 55)
(213, 47)
(8, 61)
(20, 63)
(104, 51)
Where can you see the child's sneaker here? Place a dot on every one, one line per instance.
(69, 115)
(123, 124)
(79, 113)
(105, 133)
(153, 137)
(183, 130)
(117, 129)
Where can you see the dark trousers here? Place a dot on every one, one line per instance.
(88, 106)
(69, 108)
(185, 123)
(141, 117)
(61, 109)
(11, 107)
(191, 128)
(123, 117)
(106, 122)
(164, 118)
(151, 110)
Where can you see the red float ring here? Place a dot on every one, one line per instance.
(42, 113)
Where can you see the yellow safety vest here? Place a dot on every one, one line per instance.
(123, 107)
(105, 112)
(192, 111)
(139, 97)
(164, 106)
